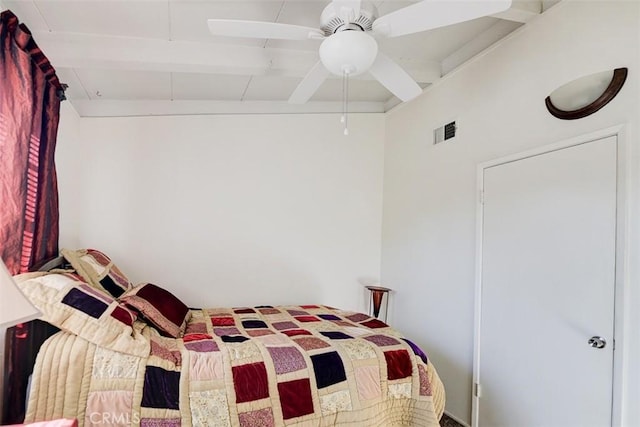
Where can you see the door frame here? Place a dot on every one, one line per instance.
(621, 286)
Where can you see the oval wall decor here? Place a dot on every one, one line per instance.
(585, 95)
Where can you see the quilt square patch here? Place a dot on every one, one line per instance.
(355, 331)
(358, 350)
(342, 323)
(307, 319)
(329, 317)
(400, 391)
(254, 324)
(358, 317)
(275, 339)
(425, 384)
(165, 353)
(398, 364)
(287, 359)
(161, 388)
(226, 331)
(295, 398)
(250, 382)
(259, 332)
(195, 337)
(382, 340)
(296, 332)
(111, 286)
(311, 306)
(61, 281)
(244, 350)
(196, 328)
(209, 407)
(206, 366)
(259, 418)
(197, 314)
(111, 408)
(375, 324)
(368, 382)
(202, 346)
(269, 311)
(244, 310)
(336, 335)
(91, 291)
(87, 304)
(311, 343)
(297, 312)
(223, 321)
(124, 315)
(335, 402)
(99, 262)
(218, 312)
(112, 364)
(284, 325)
(233, 338)
(328, 368)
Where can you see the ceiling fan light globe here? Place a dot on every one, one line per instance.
(352, 52)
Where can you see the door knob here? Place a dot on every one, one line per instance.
(597, 342)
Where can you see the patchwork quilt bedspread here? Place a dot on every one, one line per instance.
(265, 366)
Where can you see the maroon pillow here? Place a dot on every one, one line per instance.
(166, 312)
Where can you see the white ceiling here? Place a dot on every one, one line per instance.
(139, 57)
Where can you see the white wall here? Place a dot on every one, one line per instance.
(428, 250)
(236, 210)
(228, 210)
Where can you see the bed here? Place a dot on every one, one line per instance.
(136, 355)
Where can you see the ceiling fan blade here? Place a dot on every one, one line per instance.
(394, 78)
(310, 84)
(429, 14)
(262, 30)
(348, 10)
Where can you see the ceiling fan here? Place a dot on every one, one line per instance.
(349, 29)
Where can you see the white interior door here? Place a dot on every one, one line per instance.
(547, 287)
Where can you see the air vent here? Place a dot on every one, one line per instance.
(444, 133)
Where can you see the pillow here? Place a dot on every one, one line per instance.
(98, 270)
(70, 304)
(160, 307)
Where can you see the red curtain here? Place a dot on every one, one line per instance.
(30, 95)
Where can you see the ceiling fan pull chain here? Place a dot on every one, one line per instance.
(345, 100)
(344, 76)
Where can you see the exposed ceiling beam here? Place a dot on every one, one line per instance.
(73, 50)
(521, 11)
(115, 108)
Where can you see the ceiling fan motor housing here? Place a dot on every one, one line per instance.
(332, 21)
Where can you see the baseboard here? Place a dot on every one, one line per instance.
(456, 419)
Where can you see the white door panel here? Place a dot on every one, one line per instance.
(548, 276)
